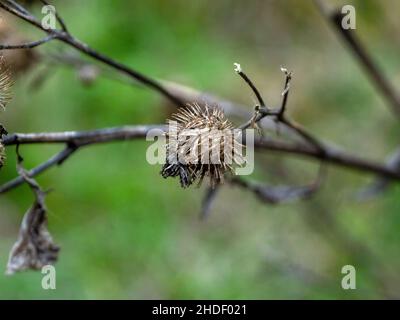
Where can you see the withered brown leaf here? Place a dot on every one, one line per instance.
(35, 247)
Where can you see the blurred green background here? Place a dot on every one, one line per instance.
(126, 233)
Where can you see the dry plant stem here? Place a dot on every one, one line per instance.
(280, 114)
(28, 45)
(315, 149)
(282, 118)
(66, 37)
(319, 146)
(57, 159)
(35, 247)
(76, 140)
(285, 93)
(330, 155)
(371, 68)
(381, 184)
(252, 86)
(82, 137)
(362, 55)
(69, 39)
(281, 194)
(58, 17)
(207, 202)
(29, 180)
(122, 68)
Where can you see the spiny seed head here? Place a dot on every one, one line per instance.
(201, 142)
(6, 83)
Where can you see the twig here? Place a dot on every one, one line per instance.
(280, 115)
(28, 45)
(285, 93)
(207, 202)
(240, 72)
(330, 155)
(55, 160)
(276, 194)
(18, 6)
(58, 17)
(66, 37)
(82, 137)
(156, 85)
(315, 149)
(362, 55)
(74, 140)
(78, 139)
(381, 184)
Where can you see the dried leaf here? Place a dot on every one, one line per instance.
(35, 247)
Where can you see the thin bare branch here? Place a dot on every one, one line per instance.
(57, 159)
(244, 76)
(67, 38)
(285, 93)
(381, 184)
(27, 45)
(79, 139)
(314, 148)
(208, 200)
(58, 17)
(73, 140)
(364, 58)
(280, 117)
(276, 194)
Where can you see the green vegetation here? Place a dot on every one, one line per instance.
(127, 233)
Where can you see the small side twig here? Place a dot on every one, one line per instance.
(363, 57)
(380, 184)
(58, 17)
(280, 194)
(28, 45)
(244, 76)
(280, 114)
(64, 36)
(208, 200)
(285, 93)
(57, 159)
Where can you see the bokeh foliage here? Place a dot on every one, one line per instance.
(127, 233)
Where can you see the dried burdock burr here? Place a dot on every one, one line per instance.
(6, 83)
(201, 142)
(5, 96)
